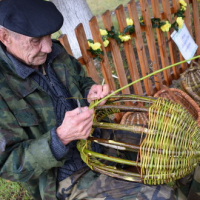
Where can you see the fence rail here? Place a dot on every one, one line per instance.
(147, 45)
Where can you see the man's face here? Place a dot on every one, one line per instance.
(32, 51)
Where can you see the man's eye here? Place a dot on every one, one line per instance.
(35, 41)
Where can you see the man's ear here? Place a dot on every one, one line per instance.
(5, 37)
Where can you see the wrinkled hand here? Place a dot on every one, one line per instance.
(75, 126)
(98, 92)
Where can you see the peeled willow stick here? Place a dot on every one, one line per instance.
(135, 129)
(122, 108)
(132, 83)
(115, 144)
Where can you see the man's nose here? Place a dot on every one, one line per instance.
(46, 44)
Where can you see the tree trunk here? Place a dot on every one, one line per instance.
(74, 12)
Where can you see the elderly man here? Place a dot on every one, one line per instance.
(39, 119)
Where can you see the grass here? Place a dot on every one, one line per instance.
(98, 7)
(13, 191)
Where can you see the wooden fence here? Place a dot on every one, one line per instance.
(148, 45)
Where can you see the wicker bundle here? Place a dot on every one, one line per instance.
(169, 141)
(190, 81)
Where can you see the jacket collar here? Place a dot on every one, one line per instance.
(17, 73)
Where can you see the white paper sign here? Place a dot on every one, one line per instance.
(185, 43)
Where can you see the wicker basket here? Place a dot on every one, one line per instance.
(169, 146)
(190, 81)
(135, 118)
(182, 98)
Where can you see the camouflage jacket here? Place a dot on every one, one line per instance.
(26, 119)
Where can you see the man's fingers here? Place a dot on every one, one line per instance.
(98, 92)
(82, 131)
(77, 111)
(105, 90)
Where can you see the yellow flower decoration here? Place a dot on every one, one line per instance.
(103, 32)
(183, 8)
(166, 27)
(129, 22)
(95, 45)
(124, 38)
(89, 44)
(183, 3)
(105, 43)
(180, 22)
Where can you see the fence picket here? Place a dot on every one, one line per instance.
(176, 6)
(105, 67)
(167, 13)
(65, 42)
(161, 43)
(151, 41)
(196, 18)
(87, 57)
(115, 51)
(187, 18)
(140, 47)
(128, 47)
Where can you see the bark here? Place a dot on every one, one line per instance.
(74, 12)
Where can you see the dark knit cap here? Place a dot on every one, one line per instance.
(34, 18)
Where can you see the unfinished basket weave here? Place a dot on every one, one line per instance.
(182, 98)
(169, 147)
(190, 81)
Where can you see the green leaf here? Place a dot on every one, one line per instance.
(118, 39)
(176, 28)
(112, 28)
(155, 26)
(104, 37)
(129, 29)
(162, 23)
(90, 40)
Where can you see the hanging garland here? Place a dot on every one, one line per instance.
(164, 25)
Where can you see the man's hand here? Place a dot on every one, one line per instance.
(75, 126)
(98, 92)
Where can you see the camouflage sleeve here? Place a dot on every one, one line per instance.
(58, 149)
(85, 82)
(22, 159)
